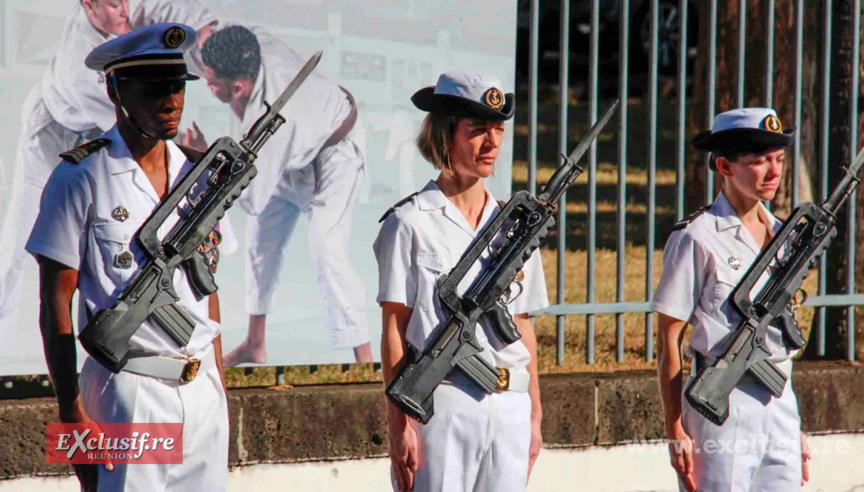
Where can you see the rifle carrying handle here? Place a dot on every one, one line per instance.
(200, 276)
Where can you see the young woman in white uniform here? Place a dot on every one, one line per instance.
(760, 446)
(474, 442)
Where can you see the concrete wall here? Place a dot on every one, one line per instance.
(592, 414)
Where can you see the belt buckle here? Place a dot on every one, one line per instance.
(503, 383)
(190, 370)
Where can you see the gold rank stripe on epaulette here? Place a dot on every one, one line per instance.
(397, 205)
(78, 154)
(690, 218)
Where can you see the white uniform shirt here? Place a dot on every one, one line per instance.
(698, 277)
(312, 115)
(74, 94)
(75, 227)
(423, 239)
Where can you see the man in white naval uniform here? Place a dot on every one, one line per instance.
(314, 166)
(68, 107)
(760, 446)
(84, 240)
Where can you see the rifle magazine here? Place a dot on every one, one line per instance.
(481, 372)
(769, 376)
(176, 323)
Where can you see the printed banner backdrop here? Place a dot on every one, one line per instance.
(380, 50)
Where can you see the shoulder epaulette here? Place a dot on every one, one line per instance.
(78, 154)
(397, 205)
(690, 218)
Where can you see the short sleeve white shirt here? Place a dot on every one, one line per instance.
(76, 227)
(423, 239)
(699, 275)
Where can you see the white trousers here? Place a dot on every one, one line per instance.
(330, 207)
(758, 448)
(201, 406)
(41, 140)
(474, 442)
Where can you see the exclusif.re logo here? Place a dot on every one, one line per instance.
(87, 444)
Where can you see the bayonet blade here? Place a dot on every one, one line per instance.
(580, 149)
(296, 82)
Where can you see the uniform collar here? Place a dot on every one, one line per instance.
(727, 219)
(256, 98)
(90, 33)
(432, 198)
(122, 162)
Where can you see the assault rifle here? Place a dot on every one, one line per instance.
(795, 249)
(151, 293)
(525, 220)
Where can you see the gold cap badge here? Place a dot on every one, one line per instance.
(174, 37)
(494, 98)
(772, 124)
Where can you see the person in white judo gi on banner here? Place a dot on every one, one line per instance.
(68, 107)
(474, 442)
(313, 167)
(84, 240)
(760, 446)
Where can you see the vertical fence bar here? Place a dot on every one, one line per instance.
(853, 147)
(799, 56)
(742, 40)
(769, 53)
(709, 113)
(592, 172)
(682, 109)
(561, 298)
(652, 188)
(532, 96)
(823, 165)
(621, 212)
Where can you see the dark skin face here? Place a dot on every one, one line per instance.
(154, 109)
(156, 106)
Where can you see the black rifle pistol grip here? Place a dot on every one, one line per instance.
(200, 276)
(502, 322)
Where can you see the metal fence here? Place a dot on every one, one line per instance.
(621, 306)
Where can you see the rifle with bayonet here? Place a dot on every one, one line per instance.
(151, 294)
(790, 254)
(524, 221)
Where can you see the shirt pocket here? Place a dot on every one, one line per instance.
(725, 280)
(120, 259)
(430, 266)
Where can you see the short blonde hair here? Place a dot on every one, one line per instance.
(435, 140)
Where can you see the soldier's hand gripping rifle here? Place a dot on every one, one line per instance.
(230, 167)
(795, 249)
(525, 220)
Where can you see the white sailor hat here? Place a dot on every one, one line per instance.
(468, 94)
(153, 52)
(745, 129)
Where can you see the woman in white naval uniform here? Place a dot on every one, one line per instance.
(760, 446)
(474, 442)
(84, 240)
